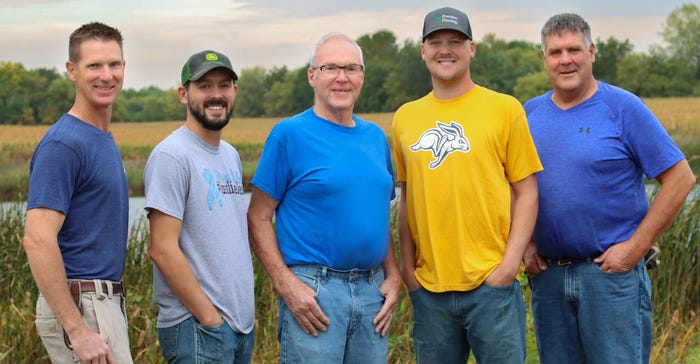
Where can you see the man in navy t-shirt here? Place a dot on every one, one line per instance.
(78, 210)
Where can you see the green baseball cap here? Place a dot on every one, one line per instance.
(200, 63)
(446, 18)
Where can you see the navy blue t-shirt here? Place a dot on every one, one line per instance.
(77, 169)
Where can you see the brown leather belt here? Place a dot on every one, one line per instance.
(78, 287)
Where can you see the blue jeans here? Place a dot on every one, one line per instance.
(585, 315)
(191, 342)
(490, 321)
(351, 300)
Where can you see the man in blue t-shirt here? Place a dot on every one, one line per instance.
(78, 211)
(327, 177)
(591, 294)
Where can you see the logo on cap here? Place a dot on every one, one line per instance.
(211, 57)
(448, 19)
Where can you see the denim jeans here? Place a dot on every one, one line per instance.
(585, 315)
(191, 342)
(490, 321)
(351, 300)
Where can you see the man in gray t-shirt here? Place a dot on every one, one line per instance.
(203, 272)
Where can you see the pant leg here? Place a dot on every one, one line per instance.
(555, 314)
(438, 334)
(106, 311)
(363, 344)
(615, 315)
(333, 297)
(494, 319)
(51, 334)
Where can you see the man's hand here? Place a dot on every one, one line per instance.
(534, 263)
(391, 287)
(302, 304)
(90, 347)
(619, 258)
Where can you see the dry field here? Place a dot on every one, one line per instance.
(680, 116)
(136, 134)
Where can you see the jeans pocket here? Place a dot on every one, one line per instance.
(312, 281)
(499, 288)
(376, 280)
(210, 343)
(167, 338)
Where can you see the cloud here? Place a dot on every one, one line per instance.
(160, 34)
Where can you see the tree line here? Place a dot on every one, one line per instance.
(394, 74)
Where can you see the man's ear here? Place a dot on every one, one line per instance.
(70, 69)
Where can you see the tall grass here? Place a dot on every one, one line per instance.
(676, 290)
(676, 299)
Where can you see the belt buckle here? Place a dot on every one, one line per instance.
(563, 262)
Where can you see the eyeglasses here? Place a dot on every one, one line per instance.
(334, 69)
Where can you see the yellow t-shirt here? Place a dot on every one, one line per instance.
(458, 158)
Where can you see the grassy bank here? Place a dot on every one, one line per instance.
(676, 300)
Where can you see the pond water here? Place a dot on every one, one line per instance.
(136, 204)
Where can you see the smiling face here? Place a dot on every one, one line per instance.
(335, 93)
(447, 54)
(569, 64)
(210, 99)
(98, 74)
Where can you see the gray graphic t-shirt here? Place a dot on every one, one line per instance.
(202, 186)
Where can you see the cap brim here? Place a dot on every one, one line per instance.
(210, 67)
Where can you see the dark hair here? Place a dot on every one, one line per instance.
(566, 23)
(91, 31)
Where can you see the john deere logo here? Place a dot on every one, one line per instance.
(211, 57)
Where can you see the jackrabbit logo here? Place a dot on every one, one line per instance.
(442, 141)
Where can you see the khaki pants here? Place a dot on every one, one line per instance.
(102, 312)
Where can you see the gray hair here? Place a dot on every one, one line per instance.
(312, 60)
(566, 23)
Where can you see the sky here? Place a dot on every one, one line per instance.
(160, 35)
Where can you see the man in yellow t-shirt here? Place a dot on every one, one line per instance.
(466, 164)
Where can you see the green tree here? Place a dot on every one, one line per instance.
(173, 109)
(498, 64)
(681, 32)
(380, 53)
(13, 98)
(58, 100)
(531, 85)
(279, 99)
(276, 74)
(408, 79)
(302, 93)
(251, 92)
(637, 74)
(378, 47)
(608, 55)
